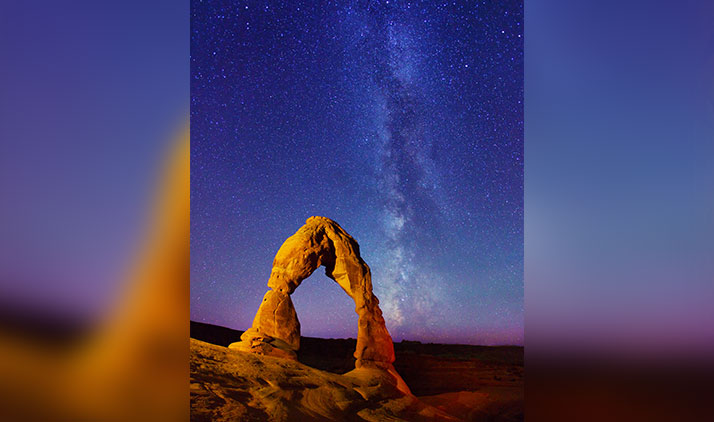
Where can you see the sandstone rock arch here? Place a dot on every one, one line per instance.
(320, 242)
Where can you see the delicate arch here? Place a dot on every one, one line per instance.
(320, 242)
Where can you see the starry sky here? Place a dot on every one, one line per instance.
(401, 120)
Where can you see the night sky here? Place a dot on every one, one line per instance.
(402, 121)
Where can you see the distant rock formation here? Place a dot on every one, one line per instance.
(320, 242)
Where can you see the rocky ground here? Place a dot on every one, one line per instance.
(449, 382)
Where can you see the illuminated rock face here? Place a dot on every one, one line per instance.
(320, 242)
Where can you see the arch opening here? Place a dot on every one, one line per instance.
(325, 312)
(323, 308)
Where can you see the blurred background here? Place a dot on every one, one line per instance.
(619, 142)
(94, 216)
(620, 175)
(92, 95)
(619, 200)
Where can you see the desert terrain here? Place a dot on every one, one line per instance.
(448, 382)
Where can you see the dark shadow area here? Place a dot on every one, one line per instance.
(592, 388)
(214, 334)
(46, 329)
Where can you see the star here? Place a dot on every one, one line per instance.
(362, 113)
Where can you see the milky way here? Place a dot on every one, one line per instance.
(405, 174)
(400, 120)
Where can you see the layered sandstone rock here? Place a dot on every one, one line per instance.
(320, 242)
(231, 386)
(276, 329)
